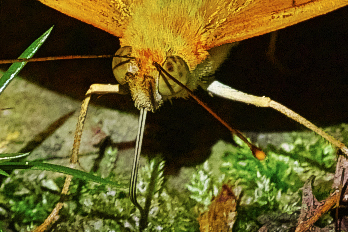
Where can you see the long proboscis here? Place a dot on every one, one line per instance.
(138, 145)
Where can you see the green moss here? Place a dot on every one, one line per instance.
(271, 185)
(271, 192)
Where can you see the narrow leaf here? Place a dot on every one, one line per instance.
(9, 156)
(2, 172)
(17, 67)
(58, 168)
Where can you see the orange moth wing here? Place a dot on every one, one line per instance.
(264, 16)
(110, 16)
(234, 20)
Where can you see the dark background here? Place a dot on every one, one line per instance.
(313, 82)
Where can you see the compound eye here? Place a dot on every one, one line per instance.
(176, 67)
(120, 64)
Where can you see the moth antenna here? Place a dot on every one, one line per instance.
(72, 57)
(257, 152)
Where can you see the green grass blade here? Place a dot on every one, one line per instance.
(58, 168)
(2, 172)
(9, 156)
(17, 67)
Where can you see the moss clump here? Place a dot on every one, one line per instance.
(268, 190)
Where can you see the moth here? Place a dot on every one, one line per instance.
(189, 38)
(180, 34)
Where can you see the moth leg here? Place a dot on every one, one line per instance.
(225, 91)
(93, 89)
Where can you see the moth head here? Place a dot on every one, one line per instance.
(147, 85)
